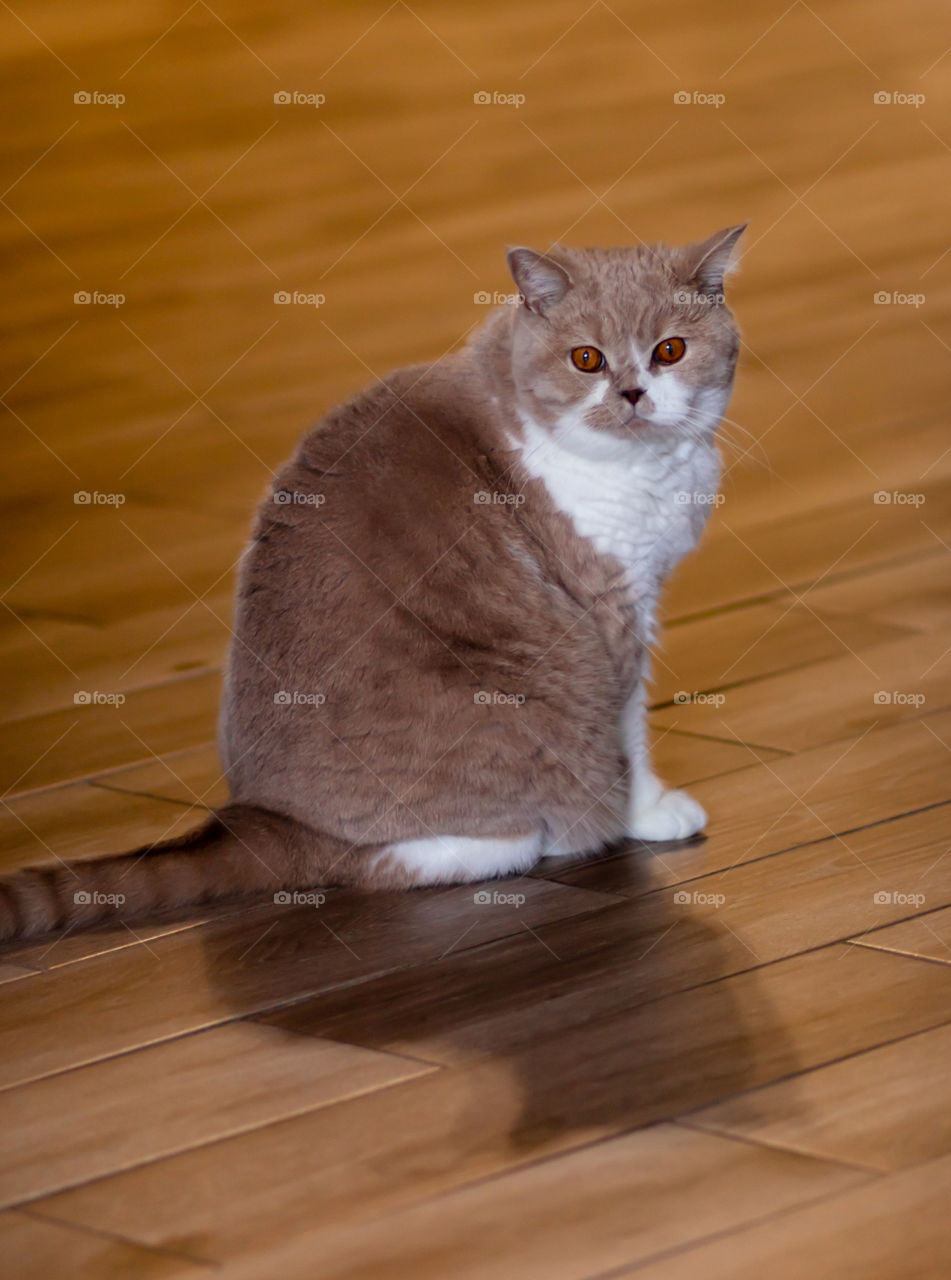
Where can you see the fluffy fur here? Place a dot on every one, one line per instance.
(444, 614)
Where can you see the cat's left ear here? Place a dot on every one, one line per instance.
(541, 281)
(706, 263)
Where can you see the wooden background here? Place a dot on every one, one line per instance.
(727, 1059)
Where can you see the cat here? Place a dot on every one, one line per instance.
(444, 615)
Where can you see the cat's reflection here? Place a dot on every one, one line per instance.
(546, 1030)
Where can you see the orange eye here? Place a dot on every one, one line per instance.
(588, 359)
(669, 351)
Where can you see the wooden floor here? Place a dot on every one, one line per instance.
(728, 1059)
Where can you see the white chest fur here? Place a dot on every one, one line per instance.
(642, 504)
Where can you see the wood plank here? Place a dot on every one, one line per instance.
(838, 698)
(394, 1014)
(885, 1109)
(736, 564)
(50, 658)
(12, 972)
(196, 978)
(928, 936)
(532, 1076)
(890, 1228)
(579, 1215)
(190, 776)
(808, 896)
(907, 595)
(780, 804)
(725, 649)
(80, 1125)
(32, 1247)
(75, 742)
(79, 821)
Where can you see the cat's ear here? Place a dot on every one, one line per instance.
(705, 264)
(540, 280)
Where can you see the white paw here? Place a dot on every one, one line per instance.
(675, 815)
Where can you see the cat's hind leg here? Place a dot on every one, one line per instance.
(451, 860)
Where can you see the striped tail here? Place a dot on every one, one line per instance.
(240, 851)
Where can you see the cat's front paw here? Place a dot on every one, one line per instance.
(674, 815)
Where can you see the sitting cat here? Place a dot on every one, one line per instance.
(444, 615)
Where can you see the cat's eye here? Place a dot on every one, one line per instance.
(669, 351)
(588, 359)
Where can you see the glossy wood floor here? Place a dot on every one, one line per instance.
(727, 1059)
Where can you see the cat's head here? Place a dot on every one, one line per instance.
(608, 343)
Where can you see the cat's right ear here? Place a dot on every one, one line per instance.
(540, 280)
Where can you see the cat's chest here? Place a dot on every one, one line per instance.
(643, 509)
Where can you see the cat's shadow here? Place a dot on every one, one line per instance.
(554, 1033)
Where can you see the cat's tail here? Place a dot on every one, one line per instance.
(240, 850)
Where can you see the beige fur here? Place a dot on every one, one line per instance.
(439, 656)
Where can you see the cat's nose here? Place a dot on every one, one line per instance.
(634, 395)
